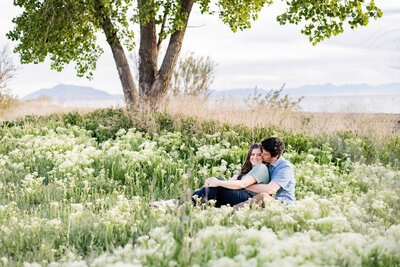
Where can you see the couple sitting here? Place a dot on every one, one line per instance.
(263, 174)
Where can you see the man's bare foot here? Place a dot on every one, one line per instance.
(171, 203)
(257, 200)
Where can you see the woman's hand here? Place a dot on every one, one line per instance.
(212, 182)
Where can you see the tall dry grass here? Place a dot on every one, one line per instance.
(377, 126)
(21, 108)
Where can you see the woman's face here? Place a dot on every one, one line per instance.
(255, 157)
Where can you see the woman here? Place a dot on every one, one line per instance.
(233, 190)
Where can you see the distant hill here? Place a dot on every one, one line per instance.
(318, 90)
(67, 92)
(343, 90)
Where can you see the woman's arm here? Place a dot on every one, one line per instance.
(235, 177)
(231, 184)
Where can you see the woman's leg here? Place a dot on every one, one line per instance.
(205, 194)
(232, 197)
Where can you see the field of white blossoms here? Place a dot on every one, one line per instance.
(75, 191)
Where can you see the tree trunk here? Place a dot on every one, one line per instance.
(148, 56)
(128, 85)
(154, 89)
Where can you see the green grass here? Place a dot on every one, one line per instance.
(76, 189)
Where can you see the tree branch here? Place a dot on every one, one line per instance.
(128, 85)
(162, 30)
(175, 44)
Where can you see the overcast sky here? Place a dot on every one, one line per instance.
(266, 56)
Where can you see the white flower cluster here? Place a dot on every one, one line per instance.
(63, 195)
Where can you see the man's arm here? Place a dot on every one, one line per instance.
(270, 188)
(280, 179)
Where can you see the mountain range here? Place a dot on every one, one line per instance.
(318, 90)
(67, 92)
(64, 92)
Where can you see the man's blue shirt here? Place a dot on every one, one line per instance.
(282, 173)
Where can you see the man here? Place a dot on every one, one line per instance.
(281, 174)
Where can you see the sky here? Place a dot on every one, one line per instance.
(265, 56)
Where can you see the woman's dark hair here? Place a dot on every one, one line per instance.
(274, 146)
(246, 168)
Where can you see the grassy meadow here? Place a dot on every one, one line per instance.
(75, 189)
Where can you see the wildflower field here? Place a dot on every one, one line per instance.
(75, 190)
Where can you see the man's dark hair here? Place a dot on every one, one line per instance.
(273, 145)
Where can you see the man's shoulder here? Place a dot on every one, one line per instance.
(284, 163)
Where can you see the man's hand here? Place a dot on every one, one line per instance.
(212, 182)
(270, 188)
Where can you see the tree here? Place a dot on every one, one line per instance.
(192, 76)
(273, 100)
(65, 30)
(7, 72)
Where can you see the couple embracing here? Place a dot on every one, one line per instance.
(264, 174)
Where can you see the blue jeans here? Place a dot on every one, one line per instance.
(223, 196)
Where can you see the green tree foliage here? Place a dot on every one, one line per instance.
(66, 31)
(193, 76)
(323, 19)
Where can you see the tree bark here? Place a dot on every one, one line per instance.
(124, 72)
(148, 57)
(154, 89)
(153, 83)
